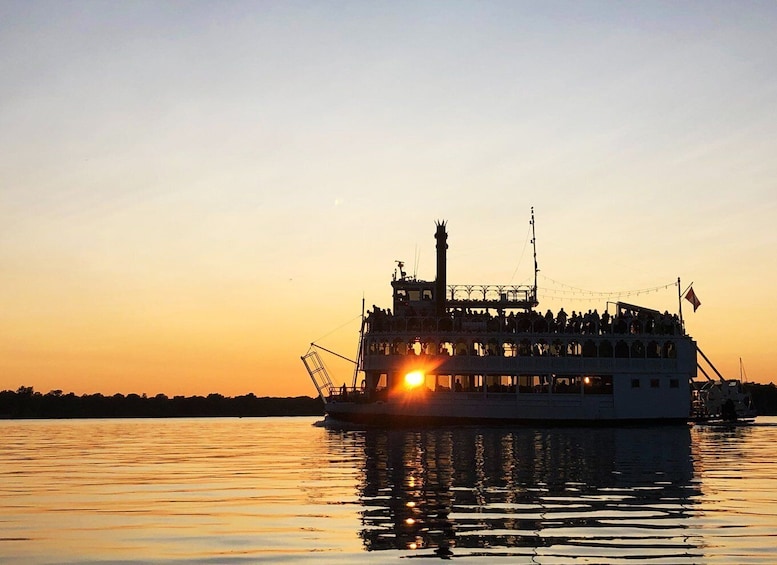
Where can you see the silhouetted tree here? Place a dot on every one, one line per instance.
(26, 403)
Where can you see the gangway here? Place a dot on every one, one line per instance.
(318, 373)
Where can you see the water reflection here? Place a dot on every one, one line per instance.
(558, 493)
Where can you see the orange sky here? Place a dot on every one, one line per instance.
(191, 196)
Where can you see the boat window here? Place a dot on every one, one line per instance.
(499, 383)
(634, 383)
(597, 384)
(605, 349)
(566, 385)
(674, 383)
(655, 383)
(464, 383)
(528, 383)
(443, 383)
(491, 347)
(378, 347)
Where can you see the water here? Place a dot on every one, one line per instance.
(282, 490)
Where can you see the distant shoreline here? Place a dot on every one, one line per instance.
(26, 403)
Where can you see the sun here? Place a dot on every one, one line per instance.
(414, 379)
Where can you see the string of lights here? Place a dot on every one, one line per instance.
(577, 293)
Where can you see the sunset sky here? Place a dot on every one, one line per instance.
(192, 192)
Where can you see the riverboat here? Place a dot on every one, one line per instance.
(465, 354)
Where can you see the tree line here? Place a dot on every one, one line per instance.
(25, 402)
(764, 397)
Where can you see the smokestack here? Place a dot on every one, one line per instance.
(440, 285)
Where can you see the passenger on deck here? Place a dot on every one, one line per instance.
(550, 321)
(667, 324)
(561, 320)
(574, 323)
(605, 325)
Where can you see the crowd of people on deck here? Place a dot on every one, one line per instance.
(626, 321)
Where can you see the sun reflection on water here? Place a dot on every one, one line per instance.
(529, 492)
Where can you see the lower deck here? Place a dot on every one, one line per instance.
(521, 398)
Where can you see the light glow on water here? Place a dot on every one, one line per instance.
(284, 490)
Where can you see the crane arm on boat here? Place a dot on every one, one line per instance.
(333, 353)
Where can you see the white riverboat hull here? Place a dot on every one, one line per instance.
(541, 408)
(392, 417)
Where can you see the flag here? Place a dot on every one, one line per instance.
(691, 297)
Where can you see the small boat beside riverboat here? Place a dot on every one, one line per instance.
(481, 353)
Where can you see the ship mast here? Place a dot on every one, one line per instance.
(534, 248)
(360, 349)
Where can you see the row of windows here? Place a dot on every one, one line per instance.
(511, 384)
(655, 383)
(527, 384)
(636, 349)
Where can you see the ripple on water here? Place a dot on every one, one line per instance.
(285, 490)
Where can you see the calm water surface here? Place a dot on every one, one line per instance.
(282, 490)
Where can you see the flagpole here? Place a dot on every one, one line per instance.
(680, 303)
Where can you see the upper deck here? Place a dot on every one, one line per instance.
(490, 323)
(415, 297)
(492, 296)
(633, 339)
